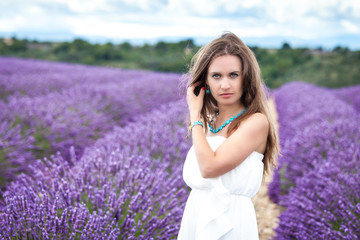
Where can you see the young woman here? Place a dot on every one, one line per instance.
(234, 142)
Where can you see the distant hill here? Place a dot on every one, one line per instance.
(335, 68)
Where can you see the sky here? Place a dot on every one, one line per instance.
(264, 23)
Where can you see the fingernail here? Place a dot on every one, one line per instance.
(203, 88)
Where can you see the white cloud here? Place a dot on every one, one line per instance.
(350, 27)
(8, 25)
(126, 19)
(351, 7)
(87, 6)
(191, 8)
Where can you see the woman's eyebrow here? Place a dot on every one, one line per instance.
(237, 71)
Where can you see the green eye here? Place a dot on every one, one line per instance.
(234, 75)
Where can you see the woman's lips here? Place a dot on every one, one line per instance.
(226, 95)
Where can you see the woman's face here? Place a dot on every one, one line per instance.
(224, 79)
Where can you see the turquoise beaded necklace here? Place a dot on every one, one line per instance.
(226, 123)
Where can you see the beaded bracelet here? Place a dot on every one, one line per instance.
(196, 123)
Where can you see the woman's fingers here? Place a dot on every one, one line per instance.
(195, 84)
(192, 87)
(190, 90)
(202, 92)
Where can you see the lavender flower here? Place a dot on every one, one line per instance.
(74, 107)
(132, 189)
(317, 178)
(110, 146)
(350, 95)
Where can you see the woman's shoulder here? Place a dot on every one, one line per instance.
(256, 123)
(256, 118)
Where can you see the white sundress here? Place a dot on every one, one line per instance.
(221, 207)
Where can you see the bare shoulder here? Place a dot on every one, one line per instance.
(256, 124)
(251, 135)
(257, 119)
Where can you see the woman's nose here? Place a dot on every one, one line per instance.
(225, 83)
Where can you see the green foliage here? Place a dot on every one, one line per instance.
(335, 68)
(42, 143)
(4, 166)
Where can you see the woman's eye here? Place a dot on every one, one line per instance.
(216, 75)
(234, 75)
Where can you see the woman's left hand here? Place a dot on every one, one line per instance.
(195, 103)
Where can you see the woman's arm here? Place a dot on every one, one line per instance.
(249, 137)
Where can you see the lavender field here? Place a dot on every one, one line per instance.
(318, 175)
(97, 153)
(48, 107)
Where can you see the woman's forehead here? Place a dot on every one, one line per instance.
(225, 63)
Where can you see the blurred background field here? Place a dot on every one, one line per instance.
(90, 151)
(93, 117)
(336, 67)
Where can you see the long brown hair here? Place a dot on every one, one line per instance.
(253, 97)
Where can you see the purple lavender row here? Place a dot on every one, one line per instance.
(325, 202)
(318, 131)
(74, 116)
(304, 110)
(14, 150)
(350, 95)
(127, 186)
(32, 77)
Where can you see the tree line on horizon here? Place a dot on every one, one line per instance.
(333, 68)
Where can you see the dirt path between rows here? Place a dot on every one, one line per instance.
(267, 212)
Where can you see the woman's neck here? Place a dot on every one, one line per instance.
(227, 112)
